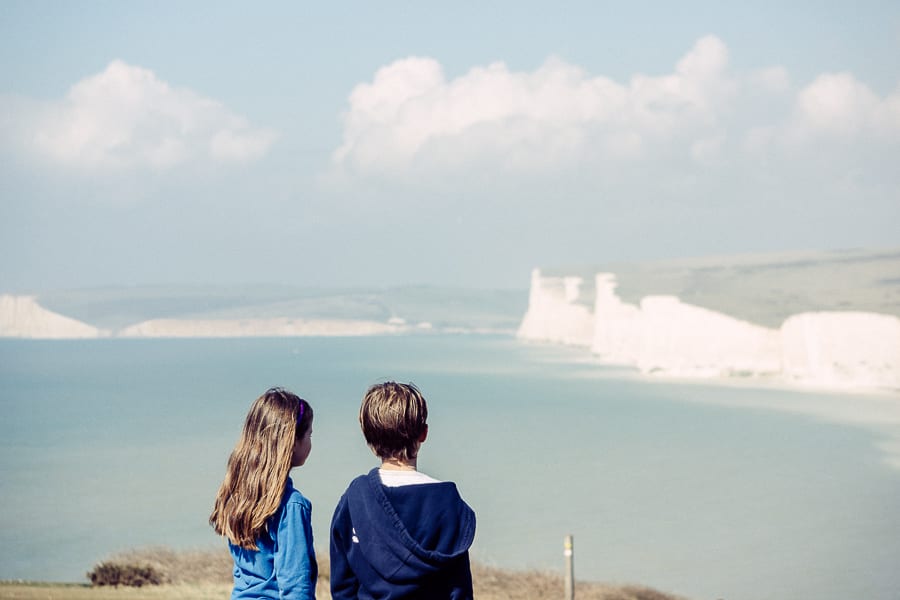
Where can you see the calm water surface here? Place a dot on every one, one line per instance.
(110, 444)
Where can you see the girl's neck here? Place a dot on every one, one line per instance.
(394, 464)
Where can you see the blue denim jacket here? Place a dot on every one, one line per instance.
(285, 565)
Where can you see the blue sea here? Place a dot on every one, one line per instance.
(107, 445)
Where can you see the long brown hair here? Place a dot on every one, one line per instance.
(258, 466)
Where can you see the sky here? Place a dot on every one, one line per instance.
(353, 144)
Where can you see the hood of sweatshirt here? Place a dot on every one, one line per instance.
(410, 531)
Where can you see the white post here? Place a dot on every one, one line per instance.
(568, 552)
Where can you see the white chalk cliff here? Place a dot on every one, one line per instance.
(23, 317)
(252, 327)
(842, 349)
(554, 312)
(663, 335)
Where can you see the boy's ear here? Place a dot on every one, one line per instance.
(424, 434)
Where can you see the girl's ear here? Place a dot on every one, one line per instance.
(424, 435)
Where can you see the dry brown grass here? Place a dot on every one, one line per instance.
(50, 591)
(491, 583)
(206, 575)
(182, 566)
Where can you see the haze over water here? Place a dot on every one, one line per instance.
(112, 444)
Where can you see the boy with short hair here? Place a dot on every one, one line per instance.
(396, 532)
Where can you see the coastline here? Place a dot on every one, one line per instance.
(874, 410)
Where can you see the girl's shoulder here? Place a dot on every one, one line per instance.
(295, 508)
(293, 496)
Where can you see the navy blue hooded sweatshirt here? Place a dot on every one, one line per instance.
(410, 541)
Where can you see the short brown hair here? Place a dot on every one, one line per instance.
(393, 417)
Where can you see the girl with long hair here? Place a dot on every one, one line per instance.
(266, 520)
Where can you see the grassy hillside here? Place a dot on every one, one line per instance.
(763, 289)
(115, 308)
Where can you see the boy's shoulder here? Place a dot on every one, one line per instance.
(358, 481)
(372, 479)
(368, 488)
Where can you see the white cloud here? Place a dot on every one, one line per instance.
(411, 112)
(127, 117)
(839, 104)
(835, 115)
(412, 120)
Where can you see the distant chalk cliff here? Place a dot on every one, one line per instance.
(663, 335)
(23, 317)
(249, 312)
(256, 327)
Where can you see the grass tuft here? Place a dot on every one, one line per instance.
(116, 573)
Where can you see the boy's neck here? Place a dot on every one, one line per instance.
(396, 464)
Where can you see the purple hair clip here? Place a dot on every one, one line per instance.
(300, 413)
